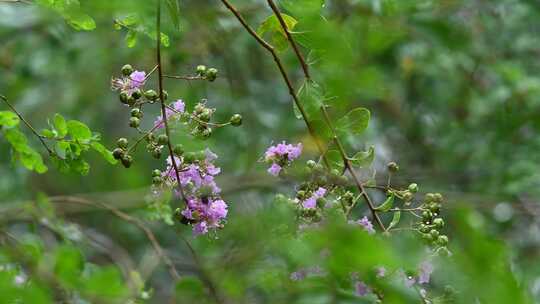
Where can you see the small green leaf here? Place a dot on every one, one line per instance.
(78, 130)
(164, 40)
(48, 133)
(334, 157)
(387, 205)
(272, 26)
(60, 125)
(105, 283)
(131, 38)
(103, 151)
(68, 265)
(191, 288)
(355, 122)
(395, 220)
(363, 158)
(8, 119)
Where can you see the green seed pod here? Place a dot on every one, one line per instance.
(127, 160)
(201, 70)
(156, 172)
(151, 95)
(127, 70)
(178, 150)
(123, 97)
(122, 142)
(442, 240)
(189, 157)
(211, 74)
(156, 180)
(413, 187)
(134, 122)
(438, 223)
(162, 139)
(393, 167)
(156, 153)
(236, 120)
(118, 153)
(136, 112)
(430, 197)
(136, 94)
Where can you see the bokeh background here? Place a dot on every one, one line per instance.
(453, 89)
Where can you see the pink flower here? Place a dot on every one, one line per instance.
(361, 289)
(178, 106)
(426, 269)
(274, 169)
(310, 203)
(137, 79)
(368, 226)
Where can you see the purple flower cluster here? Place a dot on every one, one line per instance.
(205, 209)
(179, 107)
(128, 84)
(281, 155)
(311, 202)
(365, 223)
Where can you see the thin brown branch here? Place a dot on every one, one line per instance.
(284, 75)
(162, 101)
(285, 28)
(6, 101)
(128, 218)
(185, 77)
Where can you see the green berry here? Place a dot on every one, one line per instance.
(178, 149)
(156, 180)
(122, 143)
(201, 70)
(151, 95)
(236, 120)
(127, 160)
(393, 167)
(134, 122)
(156, 172)
(118, 153)
(123, 97)
(136, 94)
(127, 70)
(413, 187)
(162, 139)
(211, 74)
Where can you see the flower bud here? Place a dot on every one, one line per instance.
(127, 70)
(127, 160)
(136, 112)
(162, 139)
(413, 187)
(211, 74)
(438, 222)
(123, 97)
(122, 143)
(434, 233)
(189, 157)
(206, 133)
(156, 172)
(408, 196)
(393, 167)
(118, 153)
(199, 108)
(430, 197)
(178, 150)
(156, 180)
(151, 137)
(151, 95)
(442, 240)
(236, 120)
(136, 94)
(311, 164)
(156, 153)
(201, 70)
(205, 115)
(426, 215)
(134, 122)
(437, 197)
(424, 228)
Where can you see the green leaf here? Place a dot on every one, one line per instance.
(190, 288)
(32, 161)
(48, 133)
(395, 220)
(68, 266)
(131, 38)
(174, 12)
(334, 157)
(80, 21)
(60, 125)
(311, 98)
(72, 13)
(105, 283)
(17, 140)
(164, 40)
(103, 151)
(8, 119)
(387, 205)
(272, 26)
(363, 158)
(78, 130)
(355, 122)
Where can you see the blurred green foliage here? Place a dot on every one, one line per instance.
(453, 94)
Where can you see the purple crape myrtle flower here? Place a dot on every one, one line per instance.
(281, 155)
(179, 107)
(311, 202)
(361, 289)
(425, 271)
(129, 84)
(381, 272)
(205, 208)
(365, 223)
